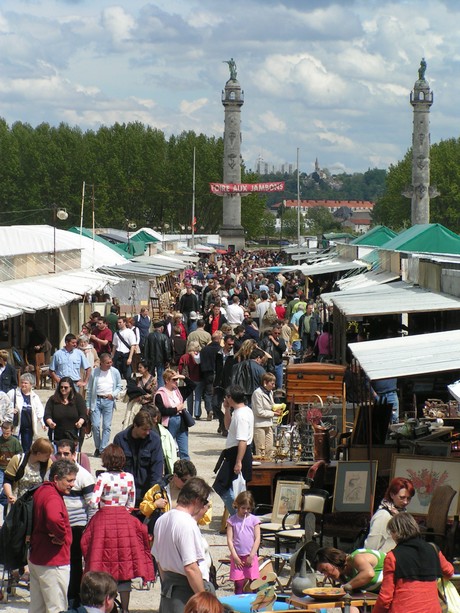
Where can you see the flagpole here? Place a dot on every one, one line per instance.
(193, 200)
(298, 200)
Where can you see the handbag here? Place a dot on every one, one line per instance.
(187, 418)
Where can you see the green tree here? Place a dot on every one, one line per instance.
(320, 220)
(290, 224)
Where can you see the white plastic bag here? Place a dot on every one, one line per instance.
(239, 485)
(452, 597)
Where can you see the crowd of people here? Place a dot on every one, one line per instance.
(218, 353)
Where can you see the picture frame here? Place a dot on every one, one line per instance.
(354, 487)
(426, 473)
(288, 497)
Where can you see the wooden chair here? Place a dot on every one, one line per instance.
(437, 526)
(313, 501)
(42, 371)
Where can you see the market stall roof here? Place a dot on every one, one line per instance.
(425, 238)
(49, 291)
(328, 266)
(378, 236)
(146, 235)
(366, 279)
(120, 249)
(410, 355)
(393, 298)
(148, 266)
(328, 297)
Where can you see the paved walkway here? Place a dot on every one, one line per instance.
(205, 446)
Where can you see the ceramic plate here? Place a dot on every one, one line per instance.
(256, 463)
(325, 593)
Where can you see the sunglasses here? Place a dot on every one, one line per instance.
(64, 387)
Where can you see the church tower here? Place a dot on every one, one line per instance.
(421, 99)
(232, 232)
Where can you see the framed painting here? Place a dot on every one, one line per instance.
(288, 497)
(355, 486)
(426, 473)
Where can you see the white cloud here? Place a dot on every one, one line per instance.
(189, 107)
(118, 23)
(272, 122)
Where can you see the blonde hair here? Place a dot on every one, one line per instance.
(169, 374)
(4, 355)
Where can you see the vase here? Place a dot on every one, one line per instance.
(424, 498)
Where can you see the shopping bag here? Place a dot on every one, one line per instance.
(239, 485)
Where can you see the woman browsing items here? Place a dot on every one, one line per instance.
(411, 571)
(361, 569)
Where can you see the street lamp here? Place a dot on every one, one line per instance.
(61, 214)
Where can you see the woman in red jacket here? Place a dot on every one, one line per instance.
(411, 571)
(114, 541)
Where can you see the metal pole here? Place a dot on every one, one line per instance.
(54, 237)
(193, 199)
(82, 206)
(298, 200)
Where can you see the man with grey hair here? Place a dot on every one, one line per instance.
(178, 548)
(49, 559)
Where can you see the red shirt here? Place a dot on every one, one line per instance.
(105, 335)
(50, 517)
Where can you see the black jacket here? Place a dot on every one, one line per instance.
(144, 459)
(223, 375)
(8, 378)
(157, 349)
(208, 357)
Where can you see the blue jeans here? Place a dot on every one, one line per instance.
(279, 375)
(103, 411)
(159, 372)
(180, 436)
(228, 499)
(194, 400)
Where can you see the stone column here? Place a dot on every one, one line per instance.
(232, 232)
(421, 99)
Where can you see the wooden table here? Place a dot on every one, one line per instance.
(360, 599)
(264, 477)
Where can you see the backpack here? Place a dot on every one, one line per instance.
(270, 317)
(16, 531)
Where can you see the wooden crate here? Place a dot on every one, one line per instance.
(303, 381)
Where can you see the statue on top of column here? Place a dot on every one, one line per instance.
(232, 67)
(422, 70)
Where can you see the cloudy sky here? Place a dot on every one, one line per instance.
(330, 77)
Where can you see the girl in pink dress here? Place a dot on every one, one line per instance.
(243, 540)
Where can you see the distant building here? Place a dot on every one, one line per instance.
(361, 211)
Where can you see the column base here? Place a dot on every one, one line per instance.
(232, 237)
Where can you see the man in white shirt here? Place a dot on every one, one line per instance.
(178, 548)
(235, 313)
(237, 455)
(124, 346)
(103, 388)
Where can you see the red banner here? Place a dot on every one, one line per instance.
(220, 189)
